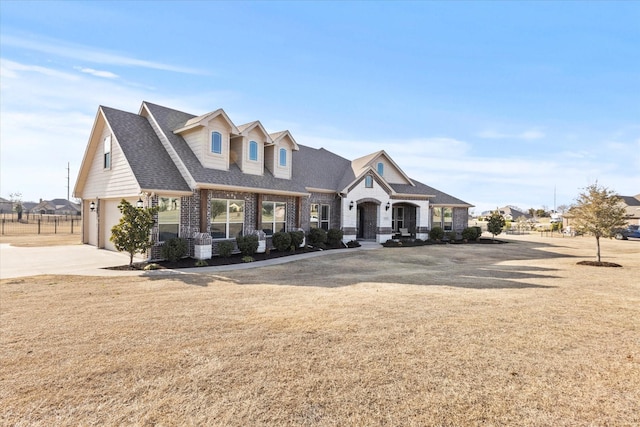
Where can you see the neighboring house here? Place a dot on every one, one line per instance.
(509, 213)
(55, 207)
(6, 206)
(208, 175)
(632, 206)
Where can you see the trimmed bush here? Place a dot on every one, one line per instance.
(174, 249)
(436, 233)
(452, 236)
(247, 245)
(317, 237)
(353, 244)
(334, 237)
(297, 237)
(470, 233)
(281, 241)
(225, 248)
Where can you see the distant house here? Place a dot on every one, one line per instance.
(55, 207)
(632, 206)
(6, 206)
(209, 176)
(509, 213)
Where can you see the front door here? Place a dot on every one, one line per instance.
(367, 221)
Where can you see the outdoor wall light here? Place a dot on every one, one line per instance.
(386, 208)
(139, 203)
(351, 205)
(92, 206)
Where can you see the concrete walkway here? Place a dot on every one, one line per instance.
(85, 260)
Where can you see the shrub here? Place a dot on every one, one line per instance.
(281, 241)
(436, 233)
(297, 237)
(152, 266)
(452, 236)
(470, 233)
(247, 259)
(225, 248)
(174, 249)
(201, 263)
(247, 245)
(317, 237)
(353, 244)
(334, 237)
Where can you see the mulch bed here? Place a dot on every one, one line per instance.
(215, 261)
(599, 264)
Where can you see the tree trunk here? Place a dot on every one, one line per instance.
(131, 258)
(598, 248)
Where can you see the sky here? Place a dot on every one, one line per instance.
(496, 103)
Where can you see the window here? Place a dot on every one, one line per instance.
(324, 217)
(447, 216)
(274, 217)
(436, 217)
(253, 150)
(381, 168)
(283, 157)
(216, 142)
(168, 218)
(368, 181)
(314, 221)
(397, 218)
(320, 216)
(227, 218)
(107, 152)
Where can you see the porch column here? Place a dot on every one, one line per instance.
(203, 210)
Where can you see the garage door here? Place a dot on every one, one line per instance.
(111, 215)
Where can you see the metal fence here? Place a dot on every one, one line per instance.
(40, 224)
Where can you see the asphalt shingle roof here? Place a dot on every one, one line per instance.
(149, 161)
(169, 120)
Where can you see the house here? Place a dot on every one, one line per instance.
(632, 207)
(55, 207)
(6, 206)
(208, 175)
(510, 213)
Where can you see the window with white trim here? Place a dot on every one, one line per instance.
(274, 217)
(106, 149)
(253, 150)
(216, 142)
(168, 218)
(283, 157)
(443, 218)
(227, 218)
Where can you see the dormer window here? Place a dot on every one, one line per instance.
(216, 143)
(253, 150)
(381, 169)
(283, 157)
(107, 152)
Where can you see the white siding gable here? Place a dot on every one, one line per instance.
(391, 172)
(116, 181)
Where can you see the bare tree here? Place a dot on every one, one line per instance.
(598, 212)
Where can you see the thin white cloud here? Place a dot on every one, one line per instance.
(97, 73)
(527, 135)
(89, 54)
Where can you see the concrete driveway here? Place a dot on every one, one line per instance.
(72, 259)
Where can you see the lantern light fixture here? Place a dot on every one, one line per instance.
(351, 205)
(92, 206)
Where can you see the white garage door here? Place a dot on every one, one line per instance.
(111, 216)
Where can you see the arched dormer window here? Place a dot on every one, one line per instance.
(216, 142)
(381, 168)
(253, 150)
(283, 157)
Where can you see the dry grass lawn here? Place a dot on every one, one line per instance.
(513, 334)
